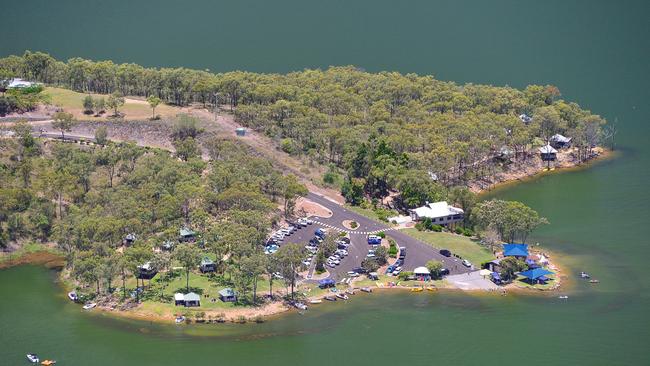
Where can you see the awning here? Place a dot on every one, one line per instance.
(536, 273)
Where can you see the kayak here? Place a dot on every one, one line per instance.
(48, 362)
(33, 358)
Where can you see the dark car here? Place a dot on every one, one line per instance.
(399, 262)
(359, 270)
(402, 252)
(345, 239)
(444, 272)
(445, 252)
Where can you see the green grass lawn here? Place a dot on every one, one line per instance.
(72, 102)
(457, 244)
(367, 212)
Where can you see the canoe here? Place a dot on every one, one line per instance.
(48, 362)
(316, 301)
(417, 289)
(431, 289)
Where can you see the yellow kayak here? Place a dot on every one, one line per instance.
(48, 362)
(416, 289)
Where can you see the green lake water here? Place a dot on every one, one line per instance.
(596, 52)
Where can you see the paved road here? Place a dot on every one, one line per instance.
(417, 252)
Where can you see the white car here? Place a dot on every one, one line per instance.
(466, 263)
(309, 222)
(331, 265)
(306, 263)
(370, 255)
(353, 274)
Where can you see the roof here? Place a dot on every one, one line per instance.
(186, 232)
(192, 297)
(536, 273)
(515, 250)
(548, 149)
(206, 261)
(19, 83)
(227, 292)
(421, 271)
(146, 267)
(560, 138)
(437, 209)
(179, 297)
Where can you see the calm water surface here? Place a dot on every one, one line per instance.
(596, 52)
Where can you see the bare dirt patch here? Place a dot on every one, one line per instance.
(305, 207)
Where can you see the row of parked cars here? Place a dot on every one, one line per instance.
(447, 253)
(312, 246)
(276, 239)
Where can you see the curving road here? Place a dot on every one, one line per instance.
(417, 252)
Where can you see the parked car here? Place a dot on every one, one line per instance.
(359, 270)
(374, 239)
(343, 246)
(320, 233)
(345, 239)
(306, 263)
(402, 252)
(444, 272)
(370, 255)
(397, 271)
(390, 269)
(352, 274)
(466, 263)
(399, 262)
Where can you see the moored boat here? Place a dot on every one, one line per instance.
(417, 289)
(330, 298)
(349, 292)
(342, 296)
(584, 275)
(33, 358)
(179, 319)
(366, 289)
(563, 297)
(89, 306)
(594, 281)
(315, 301)
(48, 363)
(300, 306)
(72, 295)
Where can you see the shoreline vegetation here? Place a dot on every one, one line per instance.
(114, 209)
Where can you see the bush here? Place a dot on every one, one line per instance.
(354, 224)
(436, 228)
(404, 275)
(381, 234)
(287, 146)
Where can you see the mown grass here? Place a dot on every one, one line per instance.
(72, 102)
(461, 245)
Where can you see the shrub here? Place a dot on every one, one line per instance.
(404, 275)
(459, 230)
(354, 224)
(381, 234)
(419, 226)
(436, 228)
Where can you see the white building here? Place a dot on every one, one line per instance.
(18, 83)
(440, 213)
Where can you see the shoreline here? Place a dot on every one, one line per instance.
(514, 178)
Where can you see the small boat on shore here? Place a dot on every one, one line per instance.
(299, 305)
(72, 295)
(330, 298)
(366, 289)
(417, 289)
(349, 292)
(33, 358)
(48, 363)
(431, 289)
(594, 281)
(89, 306)
(179, 319)
(584, 275)
(315, 301)
(342, 296)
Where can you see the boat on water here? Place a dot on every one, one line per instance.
(315, 301)
(431, 289)
(33, 358)
(584, 275)
(417, 289)
(89, 306)
(72, 295)
(594, 281)
(563, 297)
(179, 319)
(366, 289)
(342, 296)
(330, 298)
(48, 363)
(299, 305)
